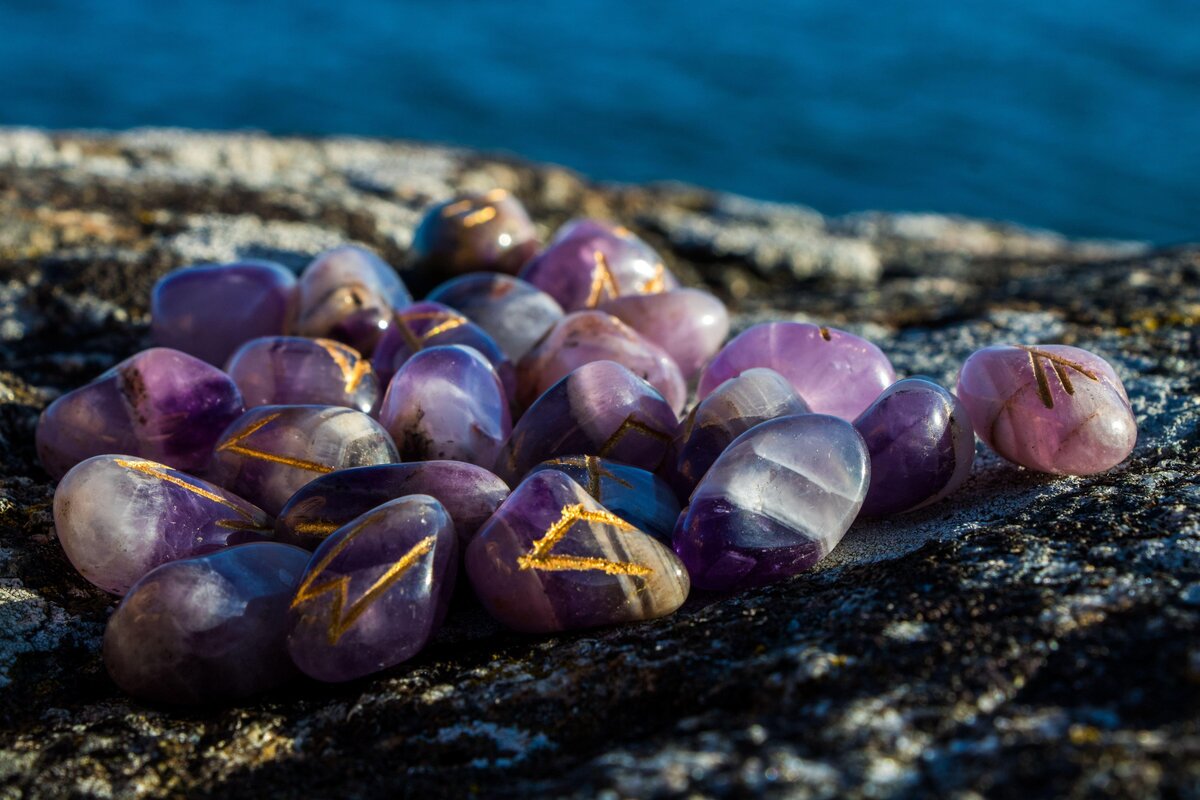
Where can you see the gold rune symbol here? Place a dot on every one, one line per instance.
(1060, 365)
(479, 217)
(316, 529)
(235, 445)
(443, 321)
(341, 614)
(352, 375)
(631, 426)
(595, 471)
(541, 558)
(602, 280)
(657, 282)
(456, 208)
(246, 522)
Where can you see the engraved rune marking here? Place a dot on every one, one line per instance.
(1061, 366)
(541, 557)
(602, 281)
(456, 208)
(657, 282)
(235, 445)
(595, 471)
(156, 471)
(479, 217)
(343, 614)
(444, 321)
(495, 195)
(628, 427)
(352, 375)
(321, 529)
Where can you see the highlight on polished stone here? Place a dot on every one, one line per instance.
(209, 629)
(271, 451)
(585, 336)
(835, 372)
(921, 443)
(118, 517)
(601, 409)
(350, 294)
(470, 494)
(775, 503)
(474, 233)
(375, 591)
(689, 324)
(1051, 408)
(553, 559)
(513, 312)
(209, 310)
(293, 370)
(447, 403)
(160, 404)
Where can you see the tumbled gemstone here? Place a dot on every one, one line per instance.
(733, 408)
(292, 370)
(118, 517)
(589, 262)
(446, 403)
(921, 443)
(271, 451)
(208, 311)
(586, 336)
(601, 409)
(474, 233)
(775, 503)
(1051, 408)
(207, 629)
(637, 496)
(514, 313)
(160, 404)
(375, 591)
(690, 325)
(835, 372)
(469, 493)
(553, 559)
(349, 294)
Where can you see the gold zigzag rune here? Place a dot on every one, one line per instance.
(235, 445)
(541, 557)
(1060, 366)
(352, 374)
(156, 471)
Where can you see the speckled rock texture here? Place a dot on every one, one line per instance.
(1031, 637)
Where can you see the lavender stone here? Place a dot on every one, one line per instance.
(160, 404)
(446, 403)
(375, 591)
(775, 502)
(207, 629)
(349, 294)
(921, 443)
(291, 370)
(271, 451)
(472, 233)
(514, 313)
(208, 311)
(553, 559)
(688, 324)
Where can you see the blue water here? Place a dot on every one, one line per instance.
(1078, 115)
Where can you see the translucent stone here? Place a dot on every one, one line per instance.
(292, 370)
(474, 233)
(349, 294)
(689, 324)
(514, 313)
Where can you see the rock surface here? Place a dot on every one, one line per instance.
(1032, 636)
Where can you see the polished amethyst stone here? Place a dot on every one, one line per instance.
(118, 517)
(586, 336)
(589, 262)
(271, 451)
(208, 311)
(553, 559)
(446, 403)
(835, 372)
(641, 498)
(689, 324)
(601, 409)
(160, 404)
(350, 294)
(209, 629)
(469, 493)
(921, 445)
(375, 591)
(292, 370)
(775, 502)
(734, 407)
(474, 233)
(514, 313)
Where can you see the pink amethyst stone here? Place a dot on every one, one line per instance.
(474, 233)
(292, 370)
(586, 336)
(690, 325)
(775, 503)
(514, 313)
(1051, 408)
(553, 559)
(589, 262)
(835, 372)
(349, 294)
(160, 404)
(208, 311)
(375, 591)
(271, 451)
(446, 403)
(118, 517)
(921, 445)
(209, 629)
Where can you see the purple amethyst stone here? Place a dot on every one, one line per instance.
(474, 233)
(514, 313)
(291, 370)
(689, 324)
(349, 294)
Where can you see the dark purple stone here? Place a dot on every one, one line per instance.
(292, 370)
(473, 233)
(350, 294)
(514, 313)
